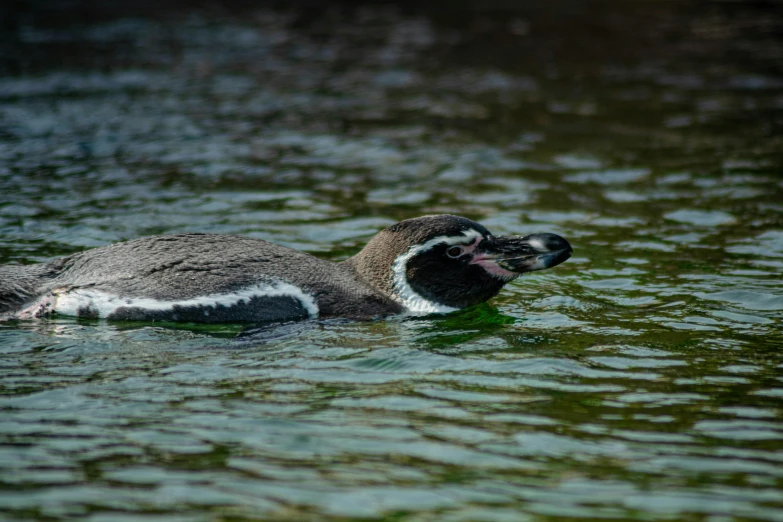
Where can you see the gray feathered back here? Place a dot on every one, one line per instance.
(18, 283)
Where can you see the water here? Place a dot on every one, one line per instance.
(640, 380)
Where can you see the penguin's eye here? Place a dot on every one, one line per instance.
(454, 252)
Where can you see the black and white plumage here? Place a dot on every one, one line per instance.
(431, 264)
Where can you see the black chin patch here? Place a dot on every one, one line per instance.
(450, 282)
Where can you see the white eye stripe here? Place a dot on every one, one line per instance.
(467, 238)
(403, 293)
(463, 248)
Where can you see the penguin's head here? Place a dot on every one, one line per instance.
(442, 263)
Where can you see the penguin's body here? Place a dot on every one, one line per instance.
(424, 265)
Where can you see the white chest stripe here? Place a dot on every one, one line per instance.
(104, 304)
(412, 301)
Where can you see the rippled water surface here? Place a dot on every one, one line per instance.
(640, 380)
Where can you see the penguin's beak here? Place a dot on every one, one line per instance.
(509, 256)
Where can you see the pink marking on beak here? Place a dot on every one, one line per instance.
(488, 263)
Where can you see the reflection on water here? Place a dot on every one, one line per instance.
(639, 380)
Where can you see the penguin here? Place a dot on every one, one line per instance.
(432, 264)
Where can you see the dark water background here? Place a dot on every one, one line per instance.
(641, 380)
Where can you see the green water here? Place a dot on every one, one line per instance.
(640, 380)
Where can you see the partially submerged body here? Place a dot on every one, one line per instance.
(423, 265)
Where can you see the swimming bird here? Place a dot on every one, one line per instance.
(430, 264)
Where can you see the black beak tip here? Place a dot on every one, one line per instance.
(561, 256)
(550, 242)
(533, 252)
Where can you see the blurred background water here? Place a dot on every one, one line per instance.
(641, 380)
